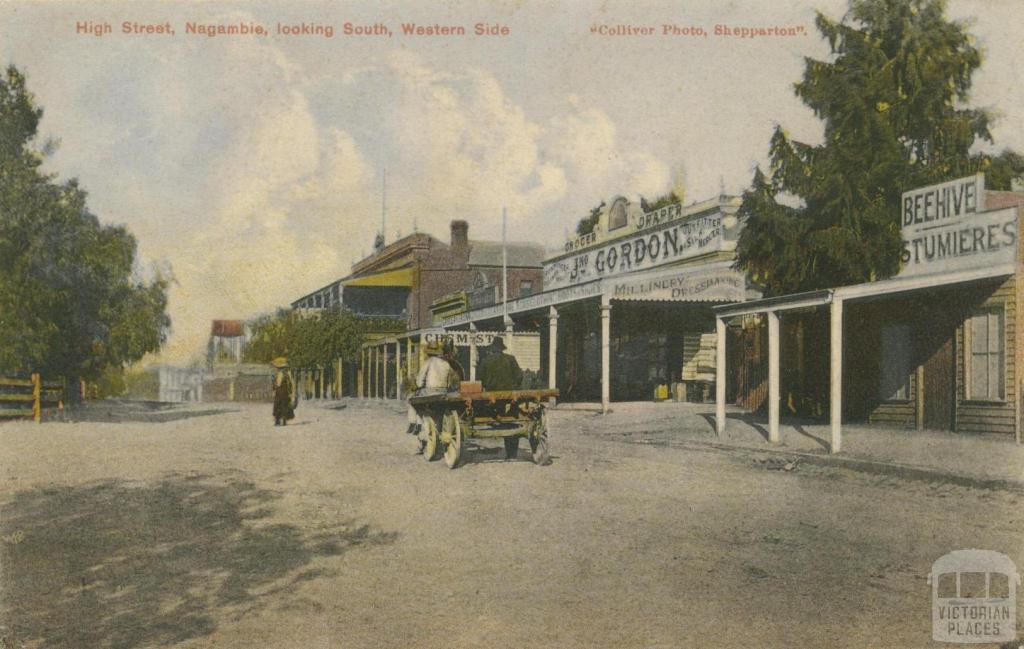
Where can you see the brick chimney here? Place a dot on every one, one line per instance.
(460, 236)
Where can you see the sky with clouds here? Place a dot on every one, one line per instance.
(251, 166)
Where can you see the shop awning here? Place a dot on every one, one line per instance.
(864, 291)
(400, 277)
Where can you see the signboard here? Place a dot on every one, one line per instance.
(462, 338)
(636, 220)
(944, 229)
(936, 205)
(719, 286)
(672, 241)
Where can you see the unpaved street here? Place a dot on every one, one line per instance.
(210, 527)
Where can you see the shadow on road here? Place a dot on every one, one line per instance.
(477, 454)
(118, 565)
(115, 411)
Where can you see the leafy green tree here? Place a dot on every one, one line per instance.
(664, 200)
(892, 97)
(271, 336)
(306, 341)
(72, 302)
(589, 222)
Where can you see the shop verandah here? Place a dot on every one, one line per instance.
(925, 352)
(643, 337)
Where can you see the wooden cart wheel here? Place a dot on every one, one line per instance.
(432, 439)
(539, 440)
(453, 452)
(511, 447)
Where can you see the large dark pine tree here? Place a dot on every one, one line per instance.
(893, 97)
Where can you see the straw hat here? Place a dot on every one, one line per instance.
(279, 362)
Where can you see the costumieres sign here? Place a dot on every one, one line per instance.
(674, 241)
(944, 228)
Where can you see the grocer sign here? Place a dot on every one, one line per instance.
(944, 228)
(674, 241)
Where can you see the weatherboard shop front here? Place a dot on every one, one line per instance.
(625, 311)
(935, 347)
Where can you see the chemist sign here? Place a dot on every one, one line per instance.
(945, 228)
(462, 338)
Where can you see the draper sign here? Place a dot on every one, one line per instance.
(944, 229)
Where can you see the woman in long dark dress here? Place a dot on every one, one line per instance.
(284, 393)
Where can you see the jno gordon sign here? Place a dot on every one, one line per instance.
(677, 240)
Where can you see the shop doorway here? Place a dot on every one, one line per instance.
(939, 370)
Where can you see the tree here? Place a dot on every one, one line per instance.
(314, 340)
(664, 200)
(72, 302)
(892, 96)
(272, 336)
(588, 223)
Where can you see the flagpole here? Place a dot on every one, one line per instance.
(504, 267)
(509, 343)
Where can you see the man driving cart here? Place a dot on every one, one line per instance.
(437, 376)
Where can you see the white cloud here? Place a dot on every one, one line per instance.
(258, 181)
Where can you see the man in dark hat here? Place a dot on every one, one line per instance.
(500, 371)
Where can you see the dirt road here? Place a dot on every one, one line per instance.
(210, 527)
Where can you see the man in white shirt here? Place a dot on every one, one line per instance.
(435, 377)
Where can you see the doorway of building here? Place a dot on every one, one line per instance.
(939, 384)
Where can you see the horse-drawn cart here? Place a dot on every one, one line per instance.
(450, 419)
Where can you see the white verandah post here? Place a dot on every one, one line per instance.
(472, 351)
(606, 333)
(720, 331)
(398, 370)
(773, 377)
(836, 375)
(552, 348)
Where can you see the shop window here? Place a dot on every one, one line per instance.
(895, 367)
(525, 288)
(986, 358)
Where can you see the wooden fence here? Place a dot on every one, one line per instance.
(30, 398)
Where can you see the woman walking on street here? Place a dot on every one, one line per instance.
(284, 393)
